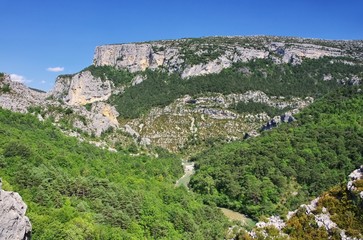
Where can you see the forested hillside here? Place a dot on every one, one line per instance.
(75, 190)
(290, 164)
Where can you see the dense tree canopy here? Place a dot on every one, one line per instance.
(75, 190)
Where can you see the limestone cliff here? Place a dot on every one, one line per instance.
(14, 225)
(81, 88)
(215, 53)
(137, 57)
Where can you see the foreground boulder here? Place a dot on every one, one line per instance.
(14, 224)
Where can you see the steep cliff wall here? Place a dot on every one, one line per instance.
(215, 53)
(81, 88)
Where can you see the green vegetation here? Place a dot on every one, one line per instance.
(5, 88)
(345, 209)
(161, 89)
(118, 77)
(66, 75)
(288, 165)
(303, 226)
(198, 50)
(77, 191)
(68, 115)
(88, 106)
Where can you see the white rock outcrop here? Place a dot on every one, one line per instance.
(81, 88)
(19, 97)
(14, 225)
(353, 177)
(136, 56)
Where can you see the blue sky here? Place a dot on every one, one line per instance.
(40, 38)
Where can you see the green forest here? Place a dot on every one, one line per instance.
(75, 190)
(161, 88)
(288, 165)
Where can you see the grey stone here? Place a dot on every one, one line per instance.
(14, 225)
(137, 80)
(82, 88)
(169, 54)
(20, 97)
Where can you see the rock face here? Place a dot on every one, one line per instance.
(75, 91)
(353, 178)
(17, 97)
(172, 55)
(82, 88)
(238, 54)
(14, 225)
(136, 57)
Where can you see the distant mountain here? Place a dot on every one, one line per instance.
(184, 94)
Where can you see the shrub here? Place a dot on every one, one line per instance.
(5, 88)
(16, 149)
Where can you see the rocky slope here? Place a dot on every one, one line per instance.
(322, 211)
(14, 225)
(188, 120)
(101, 116)
(17, 97)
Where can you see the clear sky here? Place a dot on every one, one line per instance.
(41, 39)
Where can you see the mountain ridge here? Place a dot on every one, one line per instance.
(138, 87)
